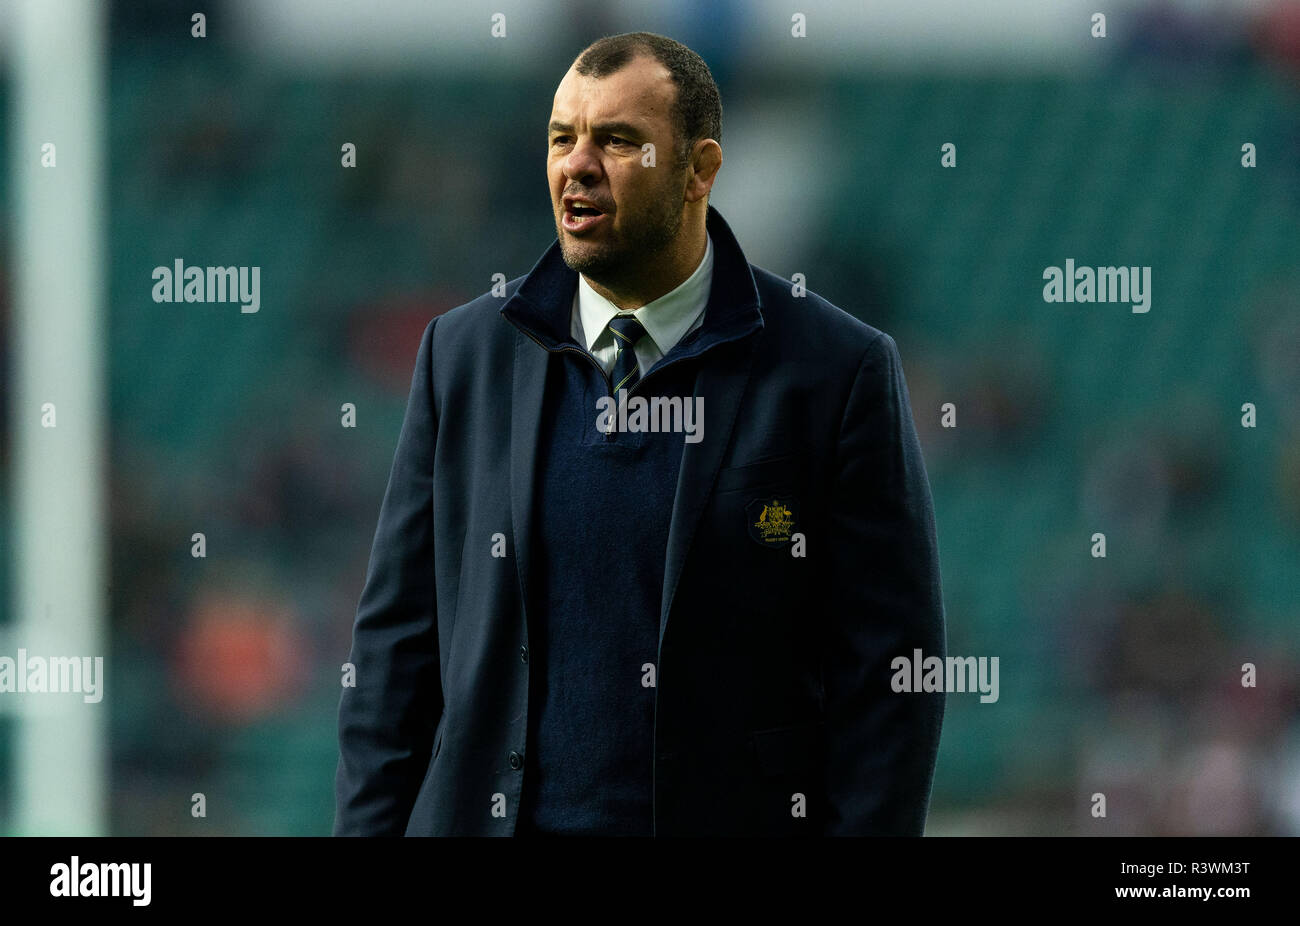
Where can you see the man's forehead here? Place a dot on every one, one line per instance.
(643, 87)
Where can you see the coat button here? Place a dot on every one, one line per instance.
(516, 760)
(523, 653)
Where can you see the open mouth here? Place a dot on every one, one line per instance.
(580, 218)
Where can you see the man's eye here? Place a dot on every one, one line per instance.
(559, 138)
(618, 141)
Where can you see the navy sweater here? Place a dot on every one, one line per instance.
(604, 508)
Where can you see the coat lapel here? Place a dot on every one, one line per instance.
(525, 426)
(722, 385)
(539, 313)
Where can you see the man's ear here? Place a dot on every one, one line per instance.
(706, 159)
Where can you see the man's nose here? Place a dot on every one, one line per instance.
(581, 163)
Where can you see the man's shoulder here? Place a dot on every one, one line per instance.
(797, 318)
(472, 323)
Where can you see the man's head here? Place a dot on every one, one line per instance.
(622, 93)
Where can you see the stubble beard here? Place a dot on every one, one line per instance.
(612, 263)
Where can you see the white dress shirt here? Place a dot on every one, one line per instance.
(666, 320)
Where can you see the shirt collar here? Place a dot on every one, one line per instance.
(665, 319)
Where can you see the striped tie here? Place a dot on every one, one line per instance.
(627, 331)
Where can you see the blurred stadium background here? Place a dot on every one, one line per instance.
(1118, 675)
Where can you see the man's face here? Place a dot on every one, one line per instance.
(594, 153)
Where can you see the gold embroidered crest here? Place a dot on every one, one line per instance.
(775, 523)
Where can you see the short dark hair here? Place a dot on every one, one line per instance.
(697, 111)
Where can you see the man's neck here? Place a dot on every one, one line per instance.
(653, 281)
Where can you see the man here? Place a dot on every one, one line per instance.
(581, 618)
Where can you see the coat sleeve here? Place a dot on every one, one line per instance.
(387, 720)
(884, 588)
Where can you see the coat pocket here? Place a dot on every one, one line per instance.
(778, 471)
